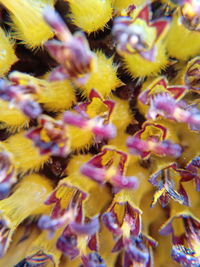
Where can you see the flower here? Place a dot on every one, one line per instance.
(99, 133)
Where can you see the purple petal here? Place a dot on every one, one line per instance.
(167, 148)
(184, 256)
(106, 131)
(74, 119)
(111, 222)
(86, 229)
(119, 245)
(31, 108)
(54, 19)
(125, 182)
(137, 250)
(93, 260)
(67, 243)
(97, 174)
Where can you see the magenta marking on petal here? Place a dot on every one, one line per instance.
(57, 144)
(127, 260)
(145, 13)
(163, 82)
(185, 195)
(94, 93)
(177, 91)
(111, 105)
(92, 243)
(160, 26)
(70, 51)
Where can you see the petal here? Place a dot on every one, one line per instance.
(90, 228)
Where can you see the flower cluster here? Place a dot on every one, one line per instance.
(99, 133)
